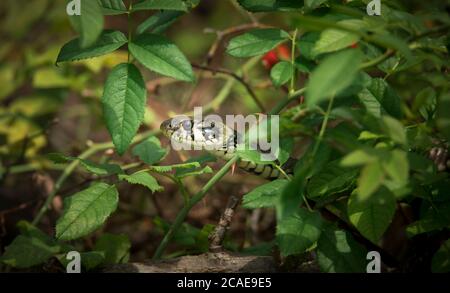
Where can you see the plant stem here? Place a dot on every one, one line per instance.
(130, 8)
(323, 127)
(185, 210)
(290, 98)
(294, 38)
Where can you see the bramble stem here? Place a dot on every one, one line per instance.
(193, 201)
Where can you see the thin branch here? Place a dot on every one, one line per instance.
(217, 236)
(235, 76)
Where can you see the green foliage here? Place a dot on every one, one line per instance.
(264, 196)
(159, 54)
(333, 75)
(123, 104)
(374, 102)
(256, 42)
(150, 151)
(89, 24)
(86, 211)
(107, 42)
(298, 232)
(142, 178)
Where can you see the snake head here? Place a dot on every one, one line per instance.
(196, 133)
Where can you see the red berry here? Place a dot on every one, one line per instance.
(270, 59)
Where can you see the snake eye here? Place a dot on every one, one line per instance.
(186, 124)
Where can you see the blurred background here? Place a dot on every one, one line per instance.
(46, 108)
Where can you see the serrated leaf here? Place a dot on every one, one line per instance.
(379, 99)
(270, 5)
(332, 179)
(338, 252)
(89, 24)
(265, 195)
(123, 100)
(441, 259)
(334, 74)
(281, 73)
(142, 178)
(298, 232)
(116, 248)
(159, 22)
(160, 4)
(180, 172)
(86, 211)
(256, 42)
(150, 151)
(113, 7)
(334, 39)
(25, 252)
(107, 42)
(373, 215)
(159, 54)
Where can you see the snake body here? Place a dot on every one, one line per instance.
(221, 141)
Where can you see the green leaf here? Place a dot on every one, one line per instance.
(159, 54)
(281, 73)
(150, 151)
(159, 21)
(306, 43)
(395, 130)
(397, 166)
(95, 168)
(30, 231)
(86, 211)
(443, 115)
(270, 5)
(373, 215)
(123, 102)
(160, 4)
(338, 252)
(357, 158)
(371, 177)
(298, 232)
(441, 259)
(182, 172)
(89, 24)
(435, 218)
(380, 99)
(116, 248)
(334, 39)
(265, 195)
(331, 180)
(107, 42)
(113, 7)
(256, 42)
(334, 74)
(25, 252)
(142, 178)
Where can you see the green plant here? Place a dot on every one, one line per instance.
(375, 102)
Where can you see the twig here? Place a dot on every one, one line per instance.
(217, 236)
(235, 76)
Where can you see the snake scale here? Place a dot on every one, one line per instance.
(221, 141)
